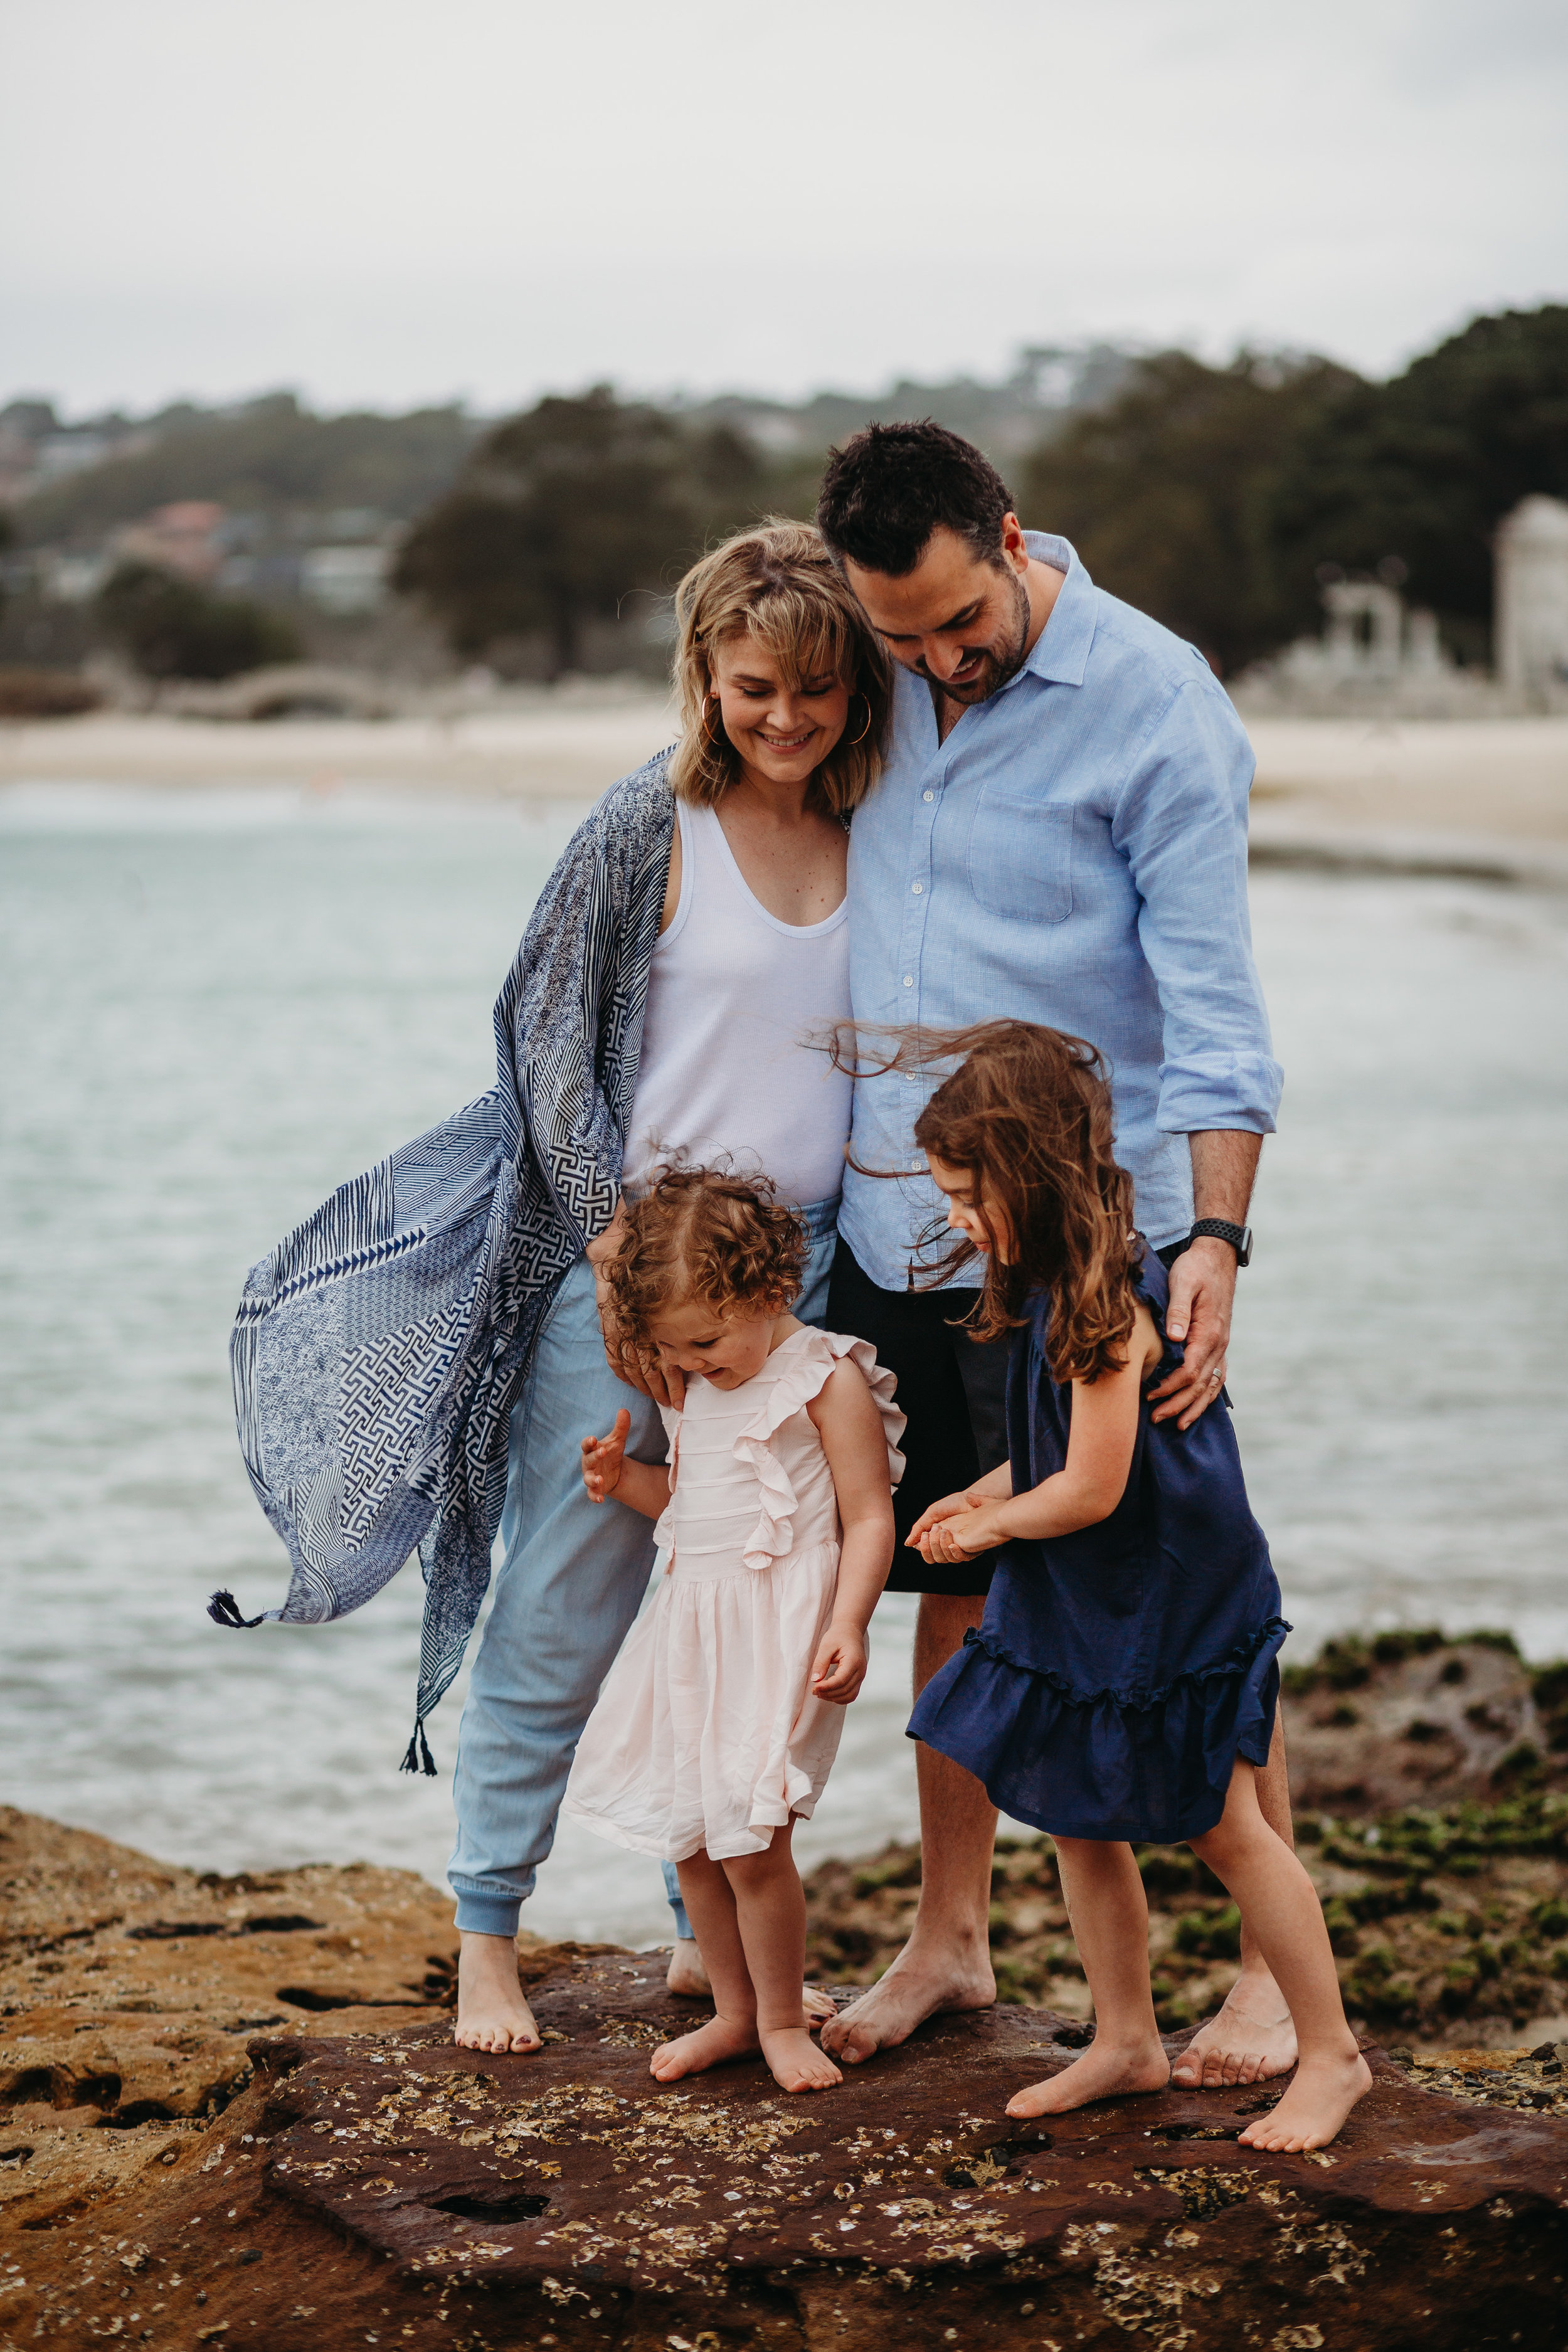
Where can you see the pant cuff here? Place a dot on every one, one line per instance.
(486, 1914)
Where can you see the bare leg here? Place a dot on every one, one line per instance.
(1253, 2036)
(1110, 1914)
(749, 1917)
(732, 2031)
(687, 1976)
(1280, 1904)
(946, 1964)
(770, 1910)
(491, 2011)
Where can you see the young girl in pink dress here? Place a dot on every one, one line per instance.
(718, 1724)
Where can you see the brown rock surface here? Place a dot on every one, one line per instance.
(1409, 1718)
(373, 2183)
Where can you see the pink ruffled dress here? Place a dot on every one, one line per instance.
(707, 1736)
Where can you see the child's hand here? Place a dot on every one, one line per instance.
(838, 1668)
(950, 1508)
(959, 1538)
(602, 1456)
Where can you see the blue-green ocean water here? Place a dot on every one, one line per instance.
(216, 1006)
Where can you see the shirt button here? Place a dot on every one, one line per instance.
(928, 796)
(917, 887)
(909, 980)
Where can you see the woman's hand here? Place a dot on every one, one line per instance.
(960, 1535)
(603, 1458)
(838, 1668)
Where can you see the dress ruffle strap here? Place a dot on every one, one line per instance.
(803, 1366)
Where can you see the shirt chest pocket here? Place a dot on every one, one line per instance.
(1020, 855)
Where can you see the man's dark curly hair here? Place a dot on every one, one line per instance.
(889, 488)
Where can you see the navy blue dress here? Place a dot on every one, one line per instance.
(1117, 1672)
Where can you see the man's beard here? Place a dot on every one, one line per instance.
(999, 668)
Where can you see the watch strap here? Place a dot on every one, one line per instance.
(1220, 1229)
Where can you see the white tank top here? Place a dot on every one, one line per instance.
(732, 995)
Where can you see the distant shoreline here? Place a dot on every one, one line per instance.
(1483, 798)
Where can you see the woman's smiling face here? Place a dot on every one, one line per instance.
(783, 733)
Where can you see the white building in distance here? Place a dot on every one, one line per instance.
(1530, 606)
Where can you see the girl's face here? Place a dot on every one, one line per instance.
(968, 1211)
(781, 732)
(726, 1349)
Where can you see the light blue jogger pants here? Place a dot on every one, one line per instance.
(572, 1577)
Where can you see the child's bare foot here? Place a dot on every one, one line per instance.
(714, 2044)
(688, 1978)
(797, 2063)
(491, 2011)
(685, 1974)
(1315, 2106)
(1104, 2072)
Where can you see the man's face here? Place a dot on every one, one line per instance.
(956, 620)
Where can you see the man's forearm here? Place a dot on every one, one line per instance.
(1225, 1168)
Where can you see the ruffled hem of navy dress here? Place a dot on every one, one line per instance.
(1152, 1767)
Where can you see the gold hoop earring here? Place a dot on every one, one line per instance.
(720, 737)
(867, 729)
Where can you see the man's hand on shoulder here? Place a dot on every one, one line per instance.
(1203, 1293)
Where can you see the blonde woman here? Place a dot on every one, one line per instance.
(419, 1363)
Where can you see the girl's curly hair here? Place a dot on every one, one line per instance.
(1026, 1116)
(704, 1234)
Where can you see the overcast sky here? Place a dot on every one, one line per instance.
(386, 201)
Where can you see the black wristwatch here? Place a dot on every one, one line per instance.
(1219, 1230)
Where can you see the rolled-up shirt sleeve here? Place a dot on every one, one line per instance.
(1180, 821)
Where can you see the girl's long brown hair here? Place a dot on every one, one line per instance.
(1026, 1116)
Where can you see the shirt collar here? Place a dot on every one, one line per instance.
(1061, 650)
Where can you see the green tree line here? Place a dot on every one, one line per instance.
(1216, 499)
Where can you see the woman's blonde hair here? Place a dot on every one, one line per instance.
(779, 585)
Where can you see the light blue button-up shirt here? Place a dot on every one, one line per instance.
(1074, 853)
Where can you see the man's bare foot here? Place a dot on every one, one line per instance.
(1252, 2038)
(922, 1982)
(1316, 2105)
(688, 1978)
(685, 1974)
(714, 2044)
(1104, 2072)
(797, 2063)
(491, 2011)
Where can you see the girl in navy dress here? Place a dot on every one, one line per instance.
(1122, 1683)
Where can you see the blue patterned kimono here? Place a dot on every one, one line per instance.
(378, 1351)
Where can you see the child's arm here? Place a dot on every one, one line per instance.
(606, 1471)
(853, 1439)
(1100, 1438)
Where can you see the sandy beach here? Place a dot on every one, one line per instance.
(1495, 782)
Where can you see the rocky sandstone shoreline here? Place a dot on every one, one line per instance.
(231, 2111)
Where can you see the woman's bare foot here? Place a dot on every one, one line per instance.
(1104, 2072)
(1316, 2105)
(1253, 2038)
(797, 2062)
(685, 1974)
(714, 2044)
(491, 2011)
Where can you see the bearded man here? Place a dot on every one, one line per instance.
(1059, 836)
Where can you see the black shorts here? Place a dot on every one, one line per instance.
(953, 1392)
